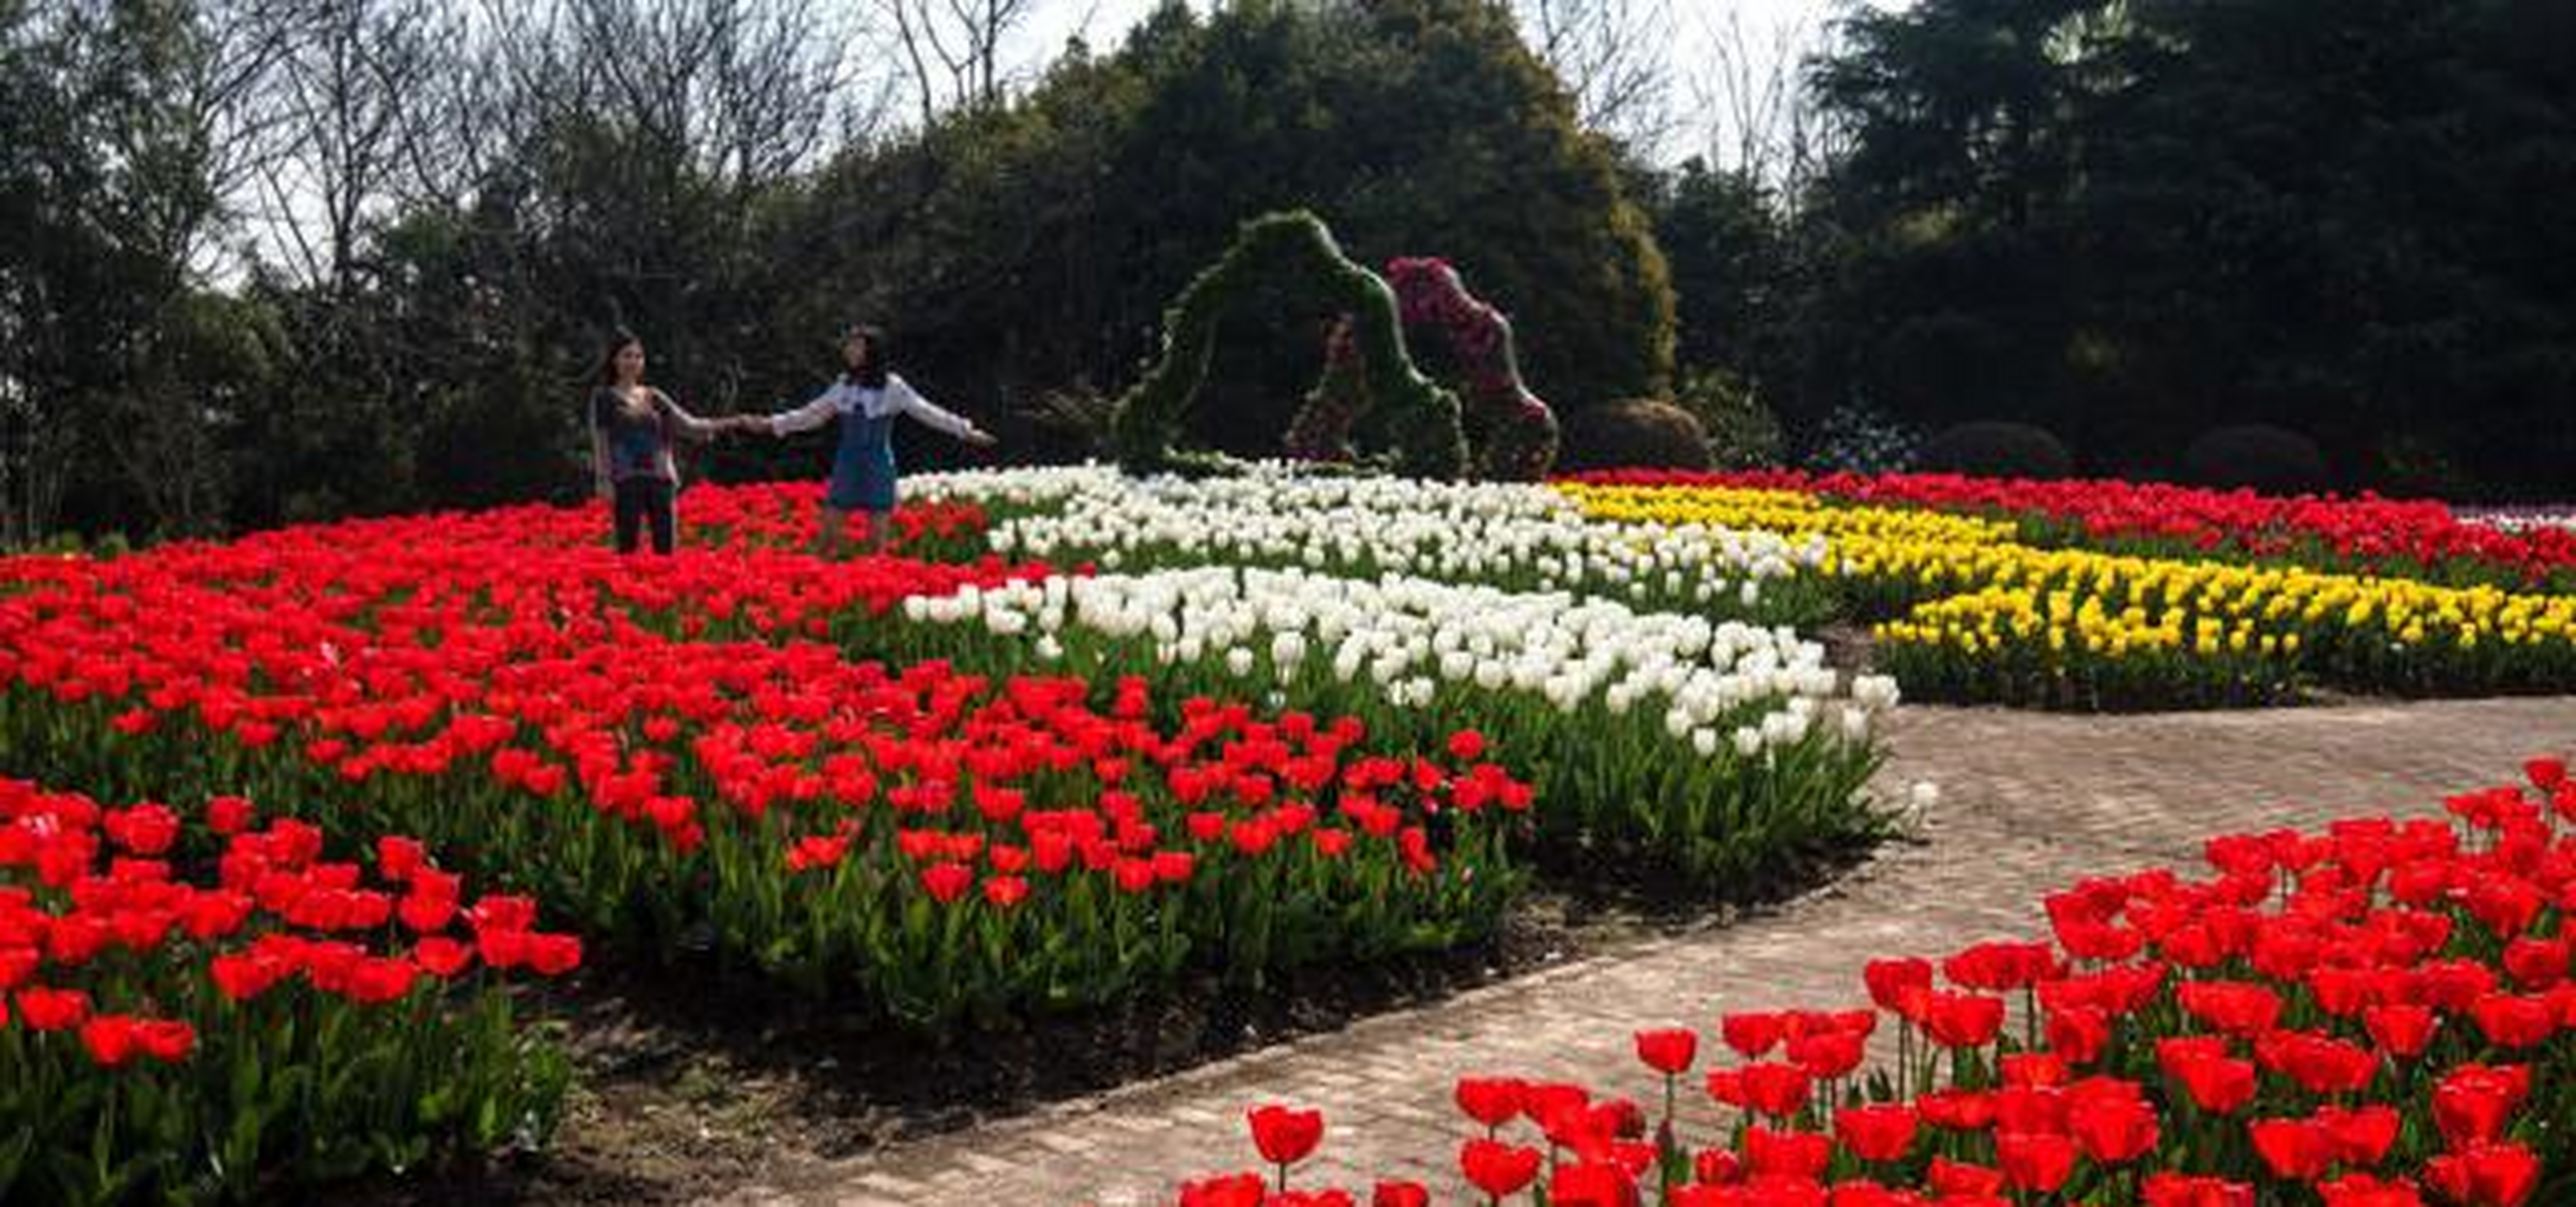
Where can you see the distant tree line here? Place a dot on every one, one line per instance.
(268, 260)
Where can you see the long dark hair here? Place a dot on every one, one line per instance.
(871, 372)
(617, 341)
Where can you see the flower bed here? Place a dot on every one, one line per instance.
(1515, 537)
(938, 844)
(2376, 1016)
(1721, 750)
(201, 1005)
(1979, 615)
(2409, 538)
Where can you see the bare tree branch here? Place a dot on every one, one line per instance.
(1614, 56)
(953, 48)
(1759, 118)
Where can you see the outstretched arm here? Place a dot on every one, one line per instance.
(815, 413)
(691, 426)
(935, 417)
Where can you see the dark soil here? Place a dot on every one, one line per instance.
(692, 1085)
(1848, 647)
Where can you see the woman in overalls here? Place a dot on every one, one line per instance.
(867, 400)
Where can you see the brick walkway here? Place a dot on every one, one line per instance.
(2031, 801)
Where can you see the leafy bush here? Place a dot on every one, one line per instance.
(1997, 449)
(1633, 433)
(1742, 432)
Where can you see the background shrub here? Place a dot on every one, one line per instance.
(1641, 433)
(1998, 449)
(2275, 461)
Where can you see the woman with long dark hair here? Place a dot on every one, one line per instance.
(866, 399)
(632, 426)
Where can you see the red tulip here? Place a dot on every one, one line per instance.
(2039, 1109)
(442, 957)
(1005, 891)
(1957, 1110)
(2112, 1130)
(2183, 1190)
(1498, 1169)
(109, 1038)
(2031, 1162)
(1400, 1194)
(1828, 1055)
(226, 815)
(1890, 981)
(1957, 1020)
(2472, 1103)
(1492, 1101)
(2485, 1175)
(2001, 967)
(2320, 1065)
(1958, 1180)
(2029, 1070)
(2547, 774)
(1876, 1133)
(1717, 1167)
(2231, 1006)
(1787, 1154)
(2536, 964)
(166, 1040)
(2295, 1150)
(1668, 1052)
(2512, 1021)
(1231, 1190)
(1777, 1090)
(1589, 1184)
(2361, 1136)
(2403, 1032)
(946, 882)
(45, 1009)
(1283, 1136)
(1753, 1035)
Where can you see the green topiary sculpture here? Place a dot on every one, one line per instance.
(1512, 433)
(1421, 417)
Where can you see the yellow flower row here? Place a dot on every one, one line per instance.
(1786, 512)
(1970, 585)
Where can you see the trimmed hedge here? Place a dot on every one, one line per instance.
(1998, 449)
(1633, 433)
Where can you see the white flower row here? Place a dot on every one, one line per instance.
(2520, 519)
(1483, 532)
(1409, 635)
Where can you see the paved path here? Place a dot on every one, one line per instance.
(2030, 803)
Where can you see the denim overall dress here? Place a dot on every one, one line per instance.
(863, 467)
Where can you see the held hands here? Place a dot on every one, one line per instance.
(747, 425)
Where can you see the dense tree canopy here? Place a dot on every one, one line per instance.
(268, 259)
(2133, 221)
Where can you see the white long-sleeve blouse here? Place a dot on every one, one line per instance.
(846, 397)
